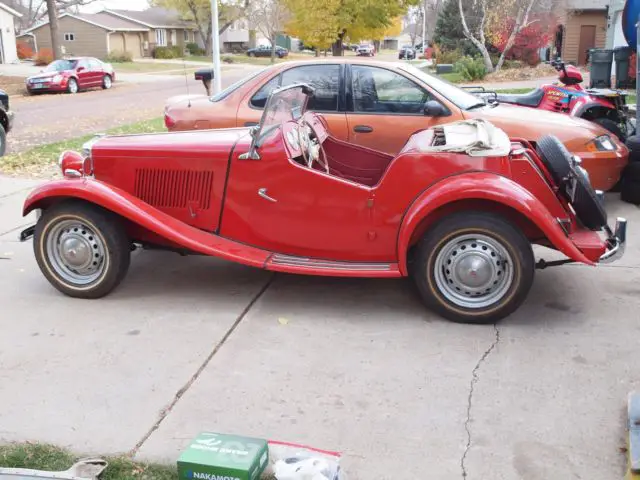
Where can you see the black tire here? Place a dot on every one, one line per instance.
(484, 224)
(557, 159)
(612, 126)
(630, 184)
(70, 86)
(251, 54)
(633, 144)
(3, 140)
(109, 234)
(107, 82)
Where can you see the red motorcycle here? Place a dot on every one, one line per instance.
(603, 106)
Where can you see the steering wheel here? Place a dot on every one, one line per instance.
(312, 150)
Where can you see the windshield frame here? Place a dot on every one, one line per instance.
(264, 129)
(218, 97)
(452, 93)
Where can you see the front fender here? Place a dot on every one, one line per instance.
(143, 214)
(483, 186)
(581, 107)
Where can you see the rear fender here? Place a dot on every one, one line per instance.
(484, 187)
(593, 109)
(143, 214)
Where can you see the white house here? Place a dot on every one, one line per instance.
(8, 52)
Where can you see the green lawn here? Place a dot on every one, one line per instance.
(144, 67)
(45, 155)
(453, 77)
(48, 457)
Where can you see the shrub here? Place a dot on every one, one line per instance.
(448, 56)
(24, 50)
(508, 64)
(167, 52)
(119, 57)
(470, 68)
(43, 57)
(228, 59)
(194, 49)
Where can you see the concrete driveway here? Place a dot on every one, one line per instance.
(189, 344)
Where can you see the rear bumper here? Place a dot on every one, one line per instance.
(616, 242)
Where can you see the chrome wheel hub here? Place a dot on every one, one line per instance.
(107, 82)
(75, 252)
(473, 271)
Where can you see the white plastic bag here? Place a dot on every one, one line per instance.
(289, 461)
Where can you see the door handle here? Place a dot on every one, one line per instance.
(263, 193)
(250, 124)
(363, 129)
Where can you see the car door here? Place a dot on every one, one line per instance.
(83, 72)
(386, 107)
(329, 99)
(97, 72)
(279, 205)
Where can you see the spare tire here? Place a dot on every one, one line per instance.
(633, 144)
(557, 159)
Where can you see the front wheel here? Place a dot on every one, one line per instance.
(72, 86)
(81, 249)
(3, 140)
(106, 82)
(474, 267)
(612, 126)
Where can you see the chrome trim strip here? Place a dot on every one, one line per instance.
(292, 261)
(617, 241)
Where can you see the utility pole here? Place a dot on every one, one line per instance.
(53, 27)
(424, 26)
(215, 38)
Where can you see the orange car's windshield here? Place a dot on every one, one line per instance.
(462, 99)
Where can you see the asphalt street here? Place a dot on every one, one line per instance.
(193, 343)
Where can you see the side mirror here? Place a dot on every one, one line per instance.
(80, 69)
(433, 108)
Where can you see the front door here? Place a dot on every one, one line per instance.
(587, 41)
(326, 101)
(279, 205)
(387, 108)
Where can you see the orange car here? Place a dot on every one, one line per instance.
(380, 104)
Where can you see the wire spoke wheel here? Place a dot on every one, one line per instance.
(76, 253)
(473, 271)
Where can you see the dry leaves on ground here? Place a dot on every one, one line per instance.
(525, 73)
(12, 85)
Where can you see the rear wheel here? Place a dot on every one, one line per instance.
(612, 126)
(81, 249)
(474, 267)
(72, 86)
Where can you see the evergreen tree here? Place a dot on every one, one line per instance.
(449, 34)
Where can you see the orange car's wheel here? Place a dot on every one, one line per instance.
(474, 267)
(81, 249)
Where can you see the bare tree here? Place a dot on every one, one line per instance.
(53, 27)
(35, 12)
(270, 18)
(521, 11)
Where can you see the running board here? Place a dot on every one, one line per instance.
(316, 266)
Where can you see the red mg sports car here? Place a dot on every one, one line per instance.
(458, 209)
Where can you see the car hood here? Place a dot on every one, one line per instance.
(188, 144)
(534, 123)
(49, 74)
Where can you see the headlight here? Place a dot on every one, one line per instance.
(603, 143)
(56, 78)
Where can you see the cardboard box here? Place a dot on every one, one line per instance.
(215, 456)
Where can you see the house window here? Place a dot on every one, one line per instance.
(186, 35)
(161, 37)
(69, 37)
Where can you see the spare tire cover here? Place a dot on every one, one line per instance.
(557, 159)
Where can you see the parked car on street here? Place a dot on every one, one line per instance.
(72, 75)
(407, 52)
(458, 209)
(366, 50)
(6, 121)
(265, 51)
(384, 103)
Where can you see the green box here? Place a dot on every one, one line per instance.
(215, 456)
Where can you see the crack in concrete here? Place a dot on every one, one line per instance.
(474, 379)
(166, 411)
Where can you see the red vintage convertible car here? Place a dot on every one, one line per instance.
(458, 209)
